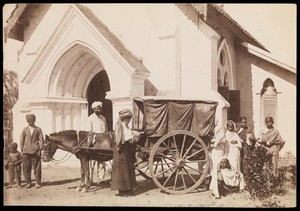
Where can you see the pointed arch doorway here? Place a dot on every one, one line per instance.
(96, 91)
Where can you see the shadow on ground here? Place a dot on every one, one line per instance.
(60, 182)
(142, 186)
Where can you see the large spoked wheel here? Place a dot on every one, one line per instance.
(184, 162)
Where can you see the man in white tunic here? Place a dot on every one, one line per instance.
(97, 124)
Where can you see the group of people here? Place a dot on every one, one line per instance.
(32, 141)
(231, 146)
(123, 170)
(228, 165)
(31, 145)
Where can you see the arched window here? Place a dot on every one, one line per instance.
(225, 82)
(268, 101)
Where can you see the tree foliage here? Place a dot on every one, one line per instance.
(262, 183)
(10, 90)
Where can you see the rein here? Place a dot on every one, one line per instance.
(61, 160)
(65, 158)
(84, 140)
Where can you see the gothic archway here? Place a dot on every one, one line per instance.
(96, 91)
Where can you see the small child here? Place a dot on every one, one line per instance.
(13, 165)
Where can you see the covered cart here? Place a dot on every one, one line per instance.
(174, 144)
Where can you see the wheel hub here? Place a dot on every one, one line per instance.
(180, 163)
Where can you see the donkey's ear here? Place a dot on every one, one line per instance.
(46, 137)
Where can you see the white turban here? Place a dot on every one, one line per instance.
(96, 103)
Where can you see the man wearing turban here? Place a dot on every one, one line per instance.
(97, 124)
(31, 144)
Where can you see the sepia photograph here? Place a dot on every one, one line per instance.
(149, 105)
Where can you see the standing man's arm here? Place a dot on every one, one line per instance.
(106, 127)
(41, 139)
(22, 139)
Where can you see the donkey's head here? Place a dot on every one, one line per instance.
(65, 140)
(49, 149)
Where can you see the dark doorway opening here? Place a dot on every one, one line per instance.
(233, 97)
(96, 91)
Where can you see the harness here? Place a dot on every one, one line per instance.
(69, 154)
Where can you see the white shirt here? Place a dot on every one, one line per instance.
(96, 124)
(31, 129)
(127, 132)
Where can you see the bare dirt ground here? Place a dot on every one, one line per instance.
(59, 184)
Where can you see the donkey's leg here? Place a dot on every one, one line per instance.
(98, 172)
(87, 173)
(104, 170)
(92, 167)
(82, 175)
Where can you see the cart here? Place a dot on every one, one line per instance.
(173, 148)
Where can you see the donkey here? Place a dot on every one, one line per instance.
(76, 143)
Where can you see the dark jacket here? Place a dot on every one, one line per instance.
(31, 144)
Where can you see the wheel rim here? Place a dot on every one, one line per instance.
(184, 162)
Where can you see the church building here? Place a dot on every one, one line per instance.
(75, 54)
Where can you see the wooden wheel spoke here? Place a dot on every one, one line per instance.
(182, 147)
(165, 156)
(164, 171)
(168, 163)
(201, 172)
(189, 148)
(169, 149)
(194, 153)
(162, 168)
(169, 176)
(175, 146)
(183, 181)
(175, 180)
(190, 175)
(156, 167)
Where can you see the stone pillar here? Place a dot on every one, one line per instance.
(48, 113)
(75, 113)
(67, 116)
(83, 116)
(119, 101)
(58, 117)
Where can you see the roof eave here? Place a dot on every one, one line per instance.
(14, 24)
(212, 12)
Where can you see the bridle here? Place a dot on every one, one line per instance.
(68, 155)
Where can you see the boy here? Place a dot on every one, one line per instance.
(13, 166)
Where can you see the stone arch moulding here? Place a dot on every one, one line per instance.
(224, 46)
(75, 50)
(98, 43)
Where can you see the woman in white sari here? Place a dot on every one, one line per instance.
(229, 180)
(235, 145)
(219, 150)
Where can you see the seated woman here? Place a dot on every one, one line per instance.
(229, 180)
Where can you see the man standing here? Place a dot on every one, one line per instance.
(97, 124)
(271, 139)
(31, 144)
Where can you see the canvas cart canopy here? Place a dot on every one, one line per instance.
(157, 116)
